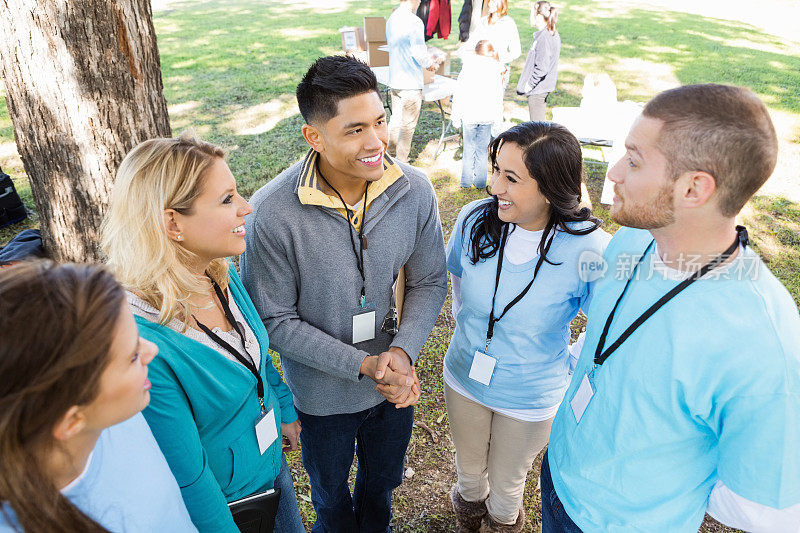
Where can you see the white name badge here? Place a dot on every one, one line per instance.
(581, 398)
(482, 367)
(266, 431)
(363, 327)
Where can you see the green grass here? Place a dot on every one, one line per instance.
(230, 68)
(643, 48)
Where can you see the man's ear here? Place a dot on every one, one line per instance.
(696, 189)
(313, 137)
(70, 424)
(172, 225)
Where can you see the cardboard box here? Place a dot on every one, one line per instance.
(428, 75)
(377, 58)
(349, 38)
(375, 29)
(443, 70)
(362, 41)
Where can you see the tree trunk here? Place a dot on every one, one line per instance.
(83, 87)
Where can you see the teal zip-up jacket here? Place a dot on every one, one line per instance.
(203, 410)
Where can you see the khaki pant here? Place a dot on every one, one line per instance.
(536, 106)
(493, 454)
(406, 105)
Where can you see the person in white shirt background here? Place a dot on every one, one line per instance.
(500, 29)
(478, 109)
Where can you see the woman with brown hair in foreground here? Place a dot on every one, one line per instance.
(75, 454)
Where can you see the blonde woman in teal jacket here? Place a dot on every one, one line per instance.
(219, 410)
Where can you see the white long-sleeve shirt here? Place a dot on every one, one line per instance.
(478, 98)
(502, 34)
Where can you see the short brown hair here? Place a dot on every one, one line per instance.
(720, 129)
(485, 48)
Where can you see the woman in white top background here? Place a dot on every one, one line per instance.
(478, 109)
(500, 29)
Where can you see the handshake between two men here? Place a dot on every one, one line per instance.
(395, 376)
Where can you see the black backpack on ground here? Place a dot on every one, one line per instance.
(26, 244)
(11, 208)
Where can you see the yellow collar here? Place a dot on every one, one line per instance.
(310, 193)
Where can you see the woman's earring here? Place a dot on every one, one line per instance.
(180, 236)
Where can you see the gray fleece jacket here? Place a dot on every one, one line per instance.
(540, 72)
(301, 273)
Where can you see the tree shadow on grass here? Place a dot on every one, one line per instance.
(774, 226)
(259, 158)
(643, 50)
(235, 53)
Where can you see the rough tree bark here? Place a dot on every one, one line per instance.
(83, 86)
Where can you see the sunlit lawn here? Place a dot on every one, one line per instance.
(230, 68)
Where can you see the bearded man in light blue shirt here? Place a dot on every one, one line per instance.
(686, 396)
(408, 55)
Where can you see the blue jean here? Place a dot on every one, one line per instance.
(475, 160)
(554, 517)
(288, 518)
(380, 436)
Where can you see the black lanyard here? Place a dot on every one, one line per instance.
(512, 303)
(362, 243)
(600, 356)
(248, 363)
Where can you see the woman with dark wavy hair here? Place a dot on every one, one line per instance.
(75, 452)
(518, 266)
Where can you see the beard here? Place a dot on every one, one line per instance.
(654, 214)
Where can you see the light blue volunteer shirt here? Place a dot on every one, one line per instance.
(127, 486)
(530, 342)
(408, 55)
(707, 389)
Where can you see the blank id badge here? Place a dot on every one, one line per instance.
(266, 431)
(482, 368)
(364, 323)
(581, 399)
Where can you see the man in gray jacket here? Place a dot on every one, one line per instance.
(325, 244)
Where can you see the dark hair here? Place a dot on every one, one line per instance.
(57, 323)
(553, 158)
(720, 129)
(329, 80)
(549, 13)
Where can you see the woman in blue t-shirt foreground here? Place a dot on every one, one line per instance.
(515, 262)
(75, 452)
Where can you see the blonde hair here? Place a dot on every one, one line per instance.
(159, 174)
(502, 11)
(549, 13)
